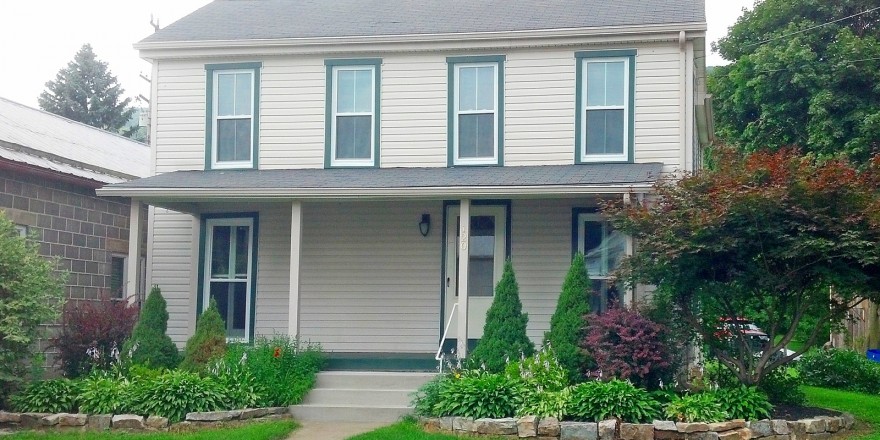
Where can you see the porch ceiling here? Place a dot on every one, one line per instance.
(392, 183)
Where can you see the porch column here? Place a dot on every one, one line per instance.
(630, 297)
(463, 262)
(132, 272)
(295, 253)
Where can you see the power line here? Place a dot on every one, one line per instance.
(811, 28)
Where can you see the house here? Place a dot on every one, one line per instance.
(50, 168)
(321, 168)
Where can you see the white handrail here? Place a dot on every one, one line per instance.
(439, 356)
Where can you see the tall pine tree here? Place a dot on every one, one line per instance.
(86, 91)
(504, 335)
(568, 325)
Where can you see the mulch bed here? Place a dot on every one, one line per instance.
(789, 412)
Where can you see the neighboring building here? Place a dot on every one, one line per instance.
(313, 160)
(50, 167)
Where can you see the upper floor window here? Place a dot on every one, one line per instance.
(604, 119)
(233, 115)
(352, 112)
(476, 110)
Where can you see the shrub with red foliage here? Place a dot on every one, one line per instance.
(627, 345)
(92, 333)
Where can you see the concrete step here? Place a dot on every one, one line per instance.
(356, 397)
(348, 413)
(372, 380)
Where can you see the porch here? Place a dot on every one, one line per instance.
(358, 270)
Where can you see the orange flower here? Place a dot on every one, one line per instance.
(277, 353)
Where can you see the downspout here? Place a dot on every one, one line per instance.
(682, 100)
(689, 107)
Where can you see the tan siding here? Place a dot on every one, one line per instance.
(365, 265)
(180, 134)
(172, 269)
(658, 108)
(273, 265)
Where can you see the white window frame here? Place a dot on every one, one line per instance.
(334, 113)
(206, 282)
(584, 109)
(21, 229)
(215, 127)
(457, 160)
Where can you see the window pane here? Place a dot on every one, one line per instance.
(363, 100)
(593, 248)
(242, 237)
(486, 88)
(604, 131)
(117, 275)
(234, 140)
(353, 137)
(225, 94)
(595, 84)
(476, 135)
(243, 90)
(345, 91)
(231, 298)
(467, 88)
(615, 242)
(614, 83)
(220, 251)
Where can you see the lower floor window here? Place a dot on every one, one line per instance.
(229, 251)
(603, 249)
(117, 276)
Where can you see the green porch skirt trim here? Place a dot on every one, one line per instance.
(337, 361)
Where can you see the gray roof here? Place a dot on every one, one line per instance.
(279, 19)
(38, 138)
(393, 178)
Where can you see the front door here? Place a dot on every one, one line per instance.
(486, 253)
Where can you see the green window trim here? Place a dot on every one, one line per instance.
(451, 123)
(201, 293)
(581, 57)
(330, 66)
(210, 71)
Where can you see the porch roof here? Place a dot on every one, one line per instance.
(391, 183)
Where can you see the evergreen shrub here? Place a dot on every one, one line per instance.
(208, 343)
(504, 335)
(567, 326)
(149, 344)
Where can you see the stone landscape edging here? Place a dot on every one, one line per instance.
(550, 428)
(133, 422)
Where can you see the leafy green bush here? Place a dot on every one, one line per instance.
(480, 394)
(242, 389)
(842, 369)
(783, 387)
(567, 326)
(544, 403)
(594, 401)
(284, 367)
(504, 335)
(149, 344)
(542, 370)
(426, 398)
(700, 407)
(47, 396)
(31, 294)
(208, 342)
(105, 394)
(744, 402)
(175, 393)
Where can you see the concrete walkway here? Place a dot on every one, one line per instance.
(333, 430)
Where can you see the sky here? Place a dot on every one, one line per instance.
(39, 37)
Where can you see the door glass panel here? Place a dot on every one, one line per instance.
(242, 237)
(231, 298)
(220, 252)
(593, 248)
(481, 268)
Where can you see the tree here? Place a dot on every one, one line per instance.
(794, 82)
(31, 294)
(504, 335)
(568, 325)
(208, 342)
(149, 344)
(772, 234)
(86, 91)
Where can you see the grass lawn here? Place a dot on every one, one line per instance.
(865, 407)
(406, 430)
(271, 430)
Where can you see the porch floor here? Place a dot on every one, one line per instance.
(344, 361)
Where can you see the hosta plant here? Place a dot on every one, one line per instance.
(544, 403)
(701, 407)
(744, 402)
(594, 401)
(47, 396)
(478, 395)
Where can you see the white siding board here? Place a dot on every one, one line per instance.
(171, 269)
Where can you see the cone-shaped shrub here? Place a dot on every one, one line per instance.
(567, 326)
(208, 342)
(504, 335)
(149, 344)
